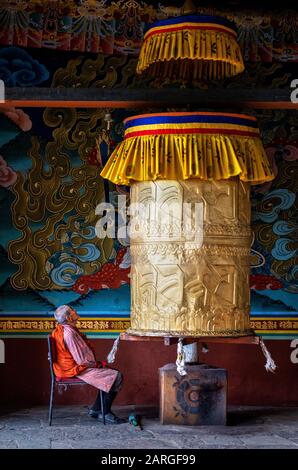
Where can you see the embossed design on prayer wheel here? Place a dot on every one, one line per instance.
(190, 279)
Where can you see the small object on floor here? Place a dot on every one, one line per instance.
(135, 421)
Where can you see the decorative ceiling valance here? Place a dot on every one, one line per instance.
(180, 146)
(191, 46)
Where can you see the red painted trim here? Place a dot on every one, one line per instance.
(207, 113)
(181, 28)
(190, 131)
(140, 104)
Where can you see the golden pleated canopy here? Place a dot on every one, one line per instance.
(179, 146)
(191, 47)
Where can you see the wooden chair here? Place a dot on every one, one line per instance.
(62, 382)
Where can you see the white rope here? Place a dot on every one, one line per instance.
(270, 365)
(112, 354)
(180, 361)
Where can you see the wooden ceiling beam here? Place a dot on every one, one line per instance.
(149, 97)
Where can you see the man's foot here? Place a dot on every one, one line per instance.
(110, 418)
(92, 413)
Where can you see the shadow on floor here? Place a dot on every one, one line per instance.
(236, 417)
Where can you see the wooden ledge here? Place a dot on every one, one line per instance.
(169, 340)
(262, 98)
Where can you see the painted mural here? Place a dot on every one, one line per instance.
(50, 160)
(118, 26)
(273, 280)
(50, 253)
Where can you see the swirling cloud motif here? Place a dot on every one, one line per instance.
(284, 249)
(18, 68)
(63, 267)
(89, 234)
(269, 208)
(271, 154)
(275, 152)
(292, 289)
(290, 153)
(92, 253)
(256, 258)
(66, 274)
(292, 274)
(21, 119)
(282, 227)
(7, 175)
(281, 251)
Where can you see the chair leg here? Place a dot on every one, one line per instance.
(51, 402)
(102, 407)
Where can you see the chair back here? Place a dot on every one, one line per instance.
(51, 353)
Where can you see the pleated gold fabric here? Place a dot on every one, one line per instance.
(181, 146)
(191, 47)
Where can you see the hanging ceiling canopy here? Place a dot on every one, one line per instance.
(191, 47)
(184, 145)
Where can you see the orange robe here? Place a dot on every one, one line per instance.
(64, 364)
(76, 357)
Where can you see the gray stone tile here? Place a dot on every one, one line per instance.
(251, 427)
(28, 421)
(22, 432)
(243, 431)
(100, 429)
(53, 433)
(222, 440)
(144, 444)
(273, 447)
(183, 442)
(294, 440)
(8, 445)
(34, 444)
(64, 421)
(221, 447)
(287, 433)
(155, 426)
(61, 445)
(264, 440)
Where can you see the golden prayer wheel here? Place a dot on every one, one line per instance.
(193, 281)
(190, 175)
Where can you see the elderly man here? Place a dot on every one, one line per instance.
(76, 357)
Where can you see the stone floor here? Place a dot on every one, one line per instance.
(248, 428)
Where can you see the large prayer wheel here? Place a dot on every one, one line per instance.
(190, 228)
